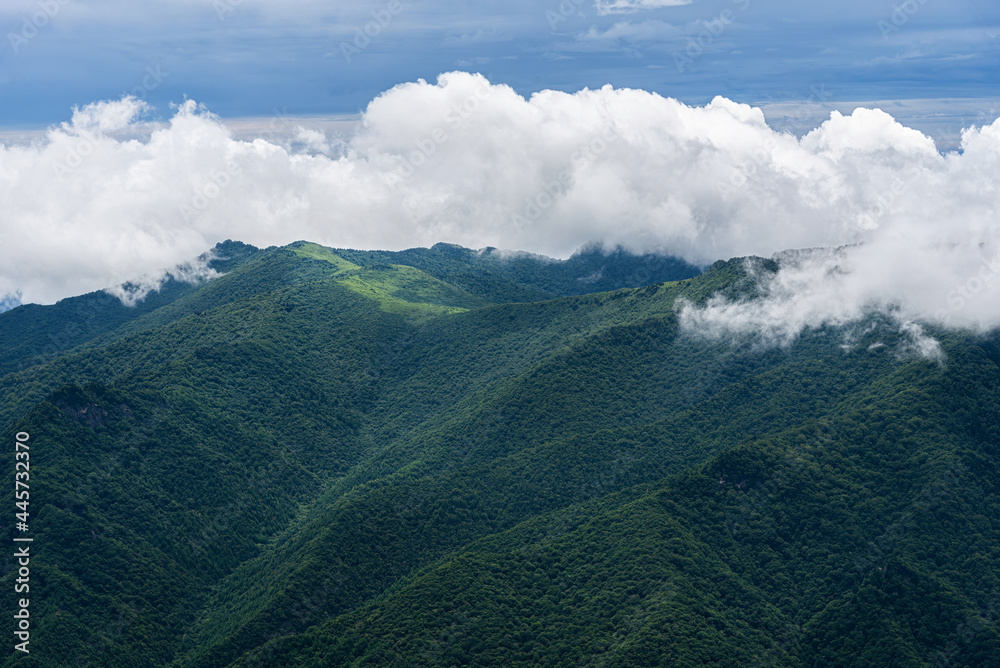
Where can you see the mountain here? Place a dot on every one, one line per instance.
(451, 457)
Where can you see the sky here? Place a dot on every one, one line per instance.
(247, 58)
(134, 136)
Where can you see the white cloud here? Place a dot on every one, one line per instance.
(928, 244)
(135, 289)
(605, 7)
(106, 116)
(468, 162)
(812, 289)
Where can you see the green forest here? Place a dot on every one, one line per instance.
(448, 457)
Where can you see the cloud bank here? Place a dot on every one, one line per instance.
(465, 161)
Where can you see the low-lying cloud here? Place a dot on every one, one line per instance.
(817, 288)
(464, 161)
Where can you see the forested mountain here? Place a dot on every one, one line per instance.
(444, 457)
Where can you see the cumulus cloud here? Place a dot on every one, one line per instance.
(925, 232)
(461, 160)
(106, 116)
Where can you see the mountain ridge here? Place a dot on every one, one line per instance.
(330, 457)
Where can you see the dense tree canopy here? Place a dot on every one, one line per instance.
(445, 457)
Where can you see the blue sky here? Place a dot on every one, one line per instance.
(245, 58)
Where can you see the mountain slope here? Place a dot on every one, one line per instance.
(519, 277)
(193, 428)
(447, 457)
(33, 334)
(789, 550)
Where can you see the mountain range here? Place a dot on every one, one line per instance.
(449, 457)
